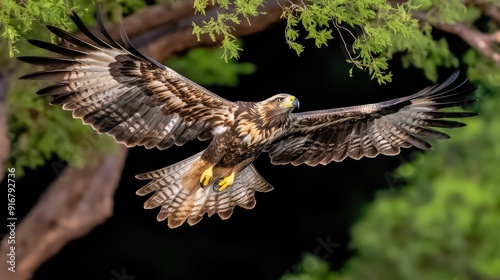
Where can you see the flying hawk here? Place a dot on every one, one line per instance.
(140, 102)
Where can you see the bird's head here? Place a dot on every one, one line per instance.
(282, 102)
(276, 109)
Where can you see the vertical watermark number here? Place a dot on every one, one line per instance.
(11, 219)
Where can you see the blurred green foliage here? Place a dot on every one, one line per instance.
(445, 223)
(423, 51)
(39, 131)
(449, 11)
(312, 268)
(210, 68)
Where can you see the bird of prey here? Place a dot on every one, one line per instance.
(121, 92)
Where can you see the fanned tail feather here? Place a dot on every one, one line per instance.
(180, 202)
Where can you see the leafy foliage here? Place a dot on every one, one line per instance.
(16, 19)
(377, 22)
(377, 30)
(222, 24)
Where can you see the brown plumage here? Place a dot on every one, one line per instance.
(140, 102)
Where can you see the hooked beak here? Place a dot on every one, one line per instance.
(291, 102)
(296, 103)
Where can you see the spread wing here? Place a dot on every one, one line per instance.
(319, 137)
(126, 94)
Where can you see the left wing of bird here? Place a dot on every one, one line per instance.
(319, 137)
(126, 94)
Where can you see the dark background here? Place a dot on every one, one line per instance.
(309, 208)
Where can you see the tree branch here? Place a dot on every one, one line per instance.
(153, 17)
(165, 29)
(492, 10)
(72, 206)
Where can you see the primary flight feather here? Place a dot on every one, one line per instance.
(140, 102)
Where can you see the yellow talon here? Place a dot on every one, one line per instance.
(206, 176)
(226, 182)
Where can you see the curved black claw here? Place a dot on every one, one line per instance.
(215, 186)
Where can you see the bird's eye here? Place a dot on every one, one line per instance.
(280, 99)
